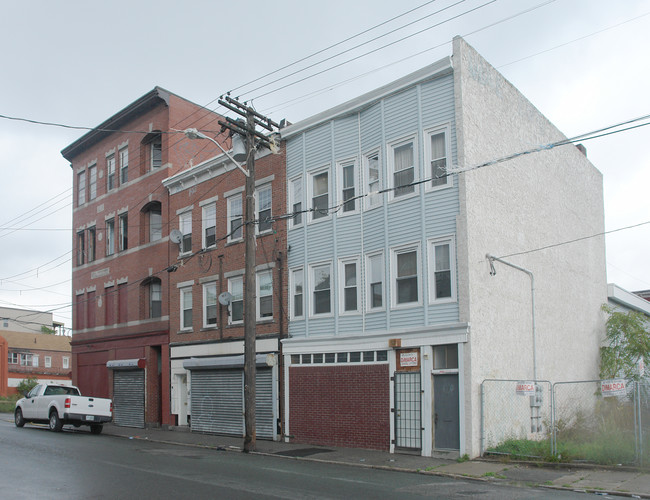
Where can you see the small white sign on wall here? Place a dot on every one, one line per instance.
(525, 388)
(614, 387)
(408, 359)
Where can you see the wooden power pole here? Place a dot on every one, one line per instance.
(253, 139)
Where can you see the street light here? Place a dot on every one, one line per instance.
(192, 133)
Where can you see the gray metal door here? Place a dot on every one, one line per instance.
(128, 398)
(218, 401)
(445, 412)
(264, 414)
(408, 408)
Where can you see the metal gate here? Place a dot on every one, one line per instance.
(408, 410)
(218, 402)
(128, 398)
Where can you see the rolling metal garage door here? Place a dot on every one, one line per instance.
(128, 398)
(218, 402)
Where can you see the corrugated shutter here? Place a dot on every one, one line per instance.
(128, 398)
(218, 401)
(264, 414)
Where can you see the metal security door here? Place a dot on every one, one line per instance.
(218, 401)
(128, 398)
(264, 411)
(446, 416)
(408, 408)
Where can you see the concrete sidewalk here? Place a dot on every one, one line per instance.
(620, 481)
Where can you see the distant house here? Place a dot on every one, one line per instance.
(644, 294)
(620, 299)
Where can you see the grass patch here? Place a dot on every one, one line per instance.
(8, 404)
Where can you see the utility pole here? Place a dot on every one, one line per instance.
(253, 138)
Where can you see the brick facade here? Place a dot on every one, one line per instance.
(347, 406)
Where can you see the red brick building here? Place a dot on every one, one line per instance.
(121, 221)
(207, 205)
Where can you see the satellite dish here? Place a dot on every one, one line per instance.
(176, 236)
(225, 298)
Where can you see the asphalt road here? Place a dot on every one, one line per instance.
(37, 463)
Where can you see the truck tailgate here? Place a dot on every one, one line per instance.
(82, 405)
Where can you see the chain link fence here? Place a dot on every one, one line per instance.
(595, 421)
(516, 421)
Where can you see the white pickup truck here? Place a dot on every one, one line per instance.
(58, 405)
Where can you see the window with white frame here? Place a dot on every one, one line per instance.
(372, 176)
(110, 172)
(236, 289)
(48, 361)
(441, 269)
(297, 297)
(155, 223)
(155, 298)
(92, 239)
(110, 236)
(92, 182)
(349, 285)
(375, 281)
(156, 152)
(124, 165)
(81, 188)
(264, 223)
(124, 232)
(320, 194)
(185, 227)
(296, 201)
(347, 180)
(436, 151)
(209, 225)
(405, 267)
(265, 295)
(401, 162)
(210, 304)
(25, 359)
(14, 358)
(321, 289)
(65, 362)
(35, 360)
(186, 308)
(81, 248)
(235, 219)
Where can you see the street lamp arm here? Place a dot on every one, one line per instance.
(192, 133)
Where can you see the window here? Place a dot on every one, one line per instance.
(265, 295)
(347, 174)
(436, 152)
(297, 300)
(35, 360)
(210, 304)
(91, 243)
(320, 195)
(402, 165)
(152, 219)
(66, 362)
(375, 280)
(110, 236)
(48, 361)
(264, 221)
(236, 289)
(372, 176)
(186, 308)
(124, 165)
(25, 359)
(81, 248)
(405, 271)
(5, 322)
(321, 289)
(209, 225)
(235, 219)
(124, 232)
(156, 153)
(445, 357)
(92, 182)
(81, 188)
(441, 264)
(185, 223)
(349, 285)
(13, 358)
(295, 201)
(110, 172)
(155, 298)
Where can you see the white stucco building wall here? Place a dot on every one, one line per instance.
(526, 211)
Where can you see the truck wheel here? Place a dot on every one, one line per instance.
(96, 429)
(18, 418)
(55, 422)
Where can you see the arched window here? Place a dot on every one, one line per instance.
(151, 222)
(151, 297)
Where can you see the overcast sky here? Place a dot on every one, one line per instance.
(583, 63)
